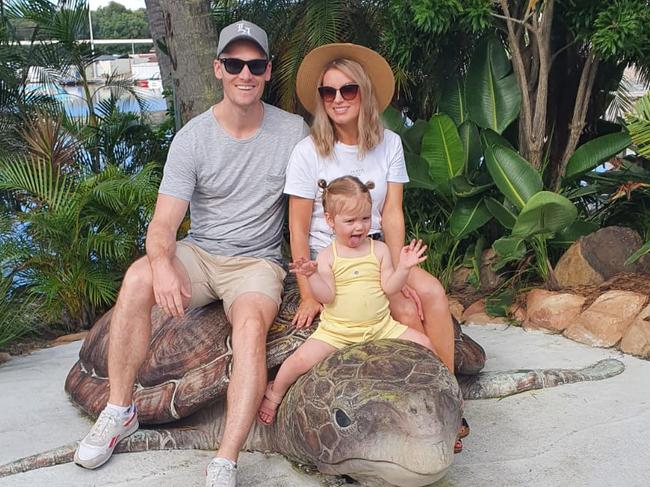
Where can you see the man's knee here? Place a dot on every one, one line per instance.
(138, 280)
(249, 335)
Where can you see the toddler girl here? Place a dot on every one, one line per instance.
(351, 277)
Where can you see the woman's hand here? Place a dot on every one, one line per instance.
(410, 293)
(306, 312)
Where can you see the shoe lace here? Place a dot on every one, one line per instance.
(104, 423)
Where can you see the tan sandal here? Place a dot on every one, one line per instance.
(274, 400)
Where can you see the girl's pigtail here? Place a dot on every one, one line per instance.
(370, 185)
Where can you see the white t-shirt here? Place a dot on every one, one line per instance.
(382, 165)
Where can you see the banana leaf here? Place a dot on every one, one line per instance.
(508, 249)
(468, 215)
(452, 101)
(490, 138)
(443, 150)
(573, 232)
(595, 152)
(471, 146)
(418, 171)
(493, 96)
(545, 212)
(461, 187)
(502, 214)
(513, 175)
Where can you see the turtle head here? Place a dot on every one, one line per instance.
(384, 413)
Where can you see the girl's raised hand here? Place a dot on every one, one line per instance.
(412, 254)
(303, 267)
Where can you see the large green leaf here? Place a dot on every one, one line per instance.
(461, 187)
(393, 120)
(545, 212)
(418, 171)
(513, 175)
(452, 101)
(508, 249)
(493, 96)
(490, 138)
(443, 150)
(573, 232)
(498, 210)
(468, 215)
(595, 152)
(471, 141)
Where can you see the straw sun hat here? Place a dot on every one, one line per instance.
(375, 66)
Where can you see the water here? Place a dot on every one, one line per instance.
(73, 98)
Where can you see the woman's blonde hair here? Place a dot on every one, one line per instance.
(338, 193)
(371, 130)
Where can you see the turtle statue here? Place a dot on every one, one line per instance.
(384, 413)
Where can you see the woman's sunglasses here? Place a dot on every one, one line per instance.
(348, 92)
(233, 65)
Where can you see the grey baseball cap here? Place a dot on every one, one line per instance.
(243, 30)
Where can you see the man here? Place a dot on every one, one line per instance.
(228, 164)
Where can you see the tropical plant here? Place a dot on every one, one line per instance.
(78, 233)
(477, 176)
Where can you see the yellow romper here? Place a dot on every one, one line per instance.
(359, 312)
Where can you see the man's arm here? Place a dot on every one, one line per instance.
(160, 245)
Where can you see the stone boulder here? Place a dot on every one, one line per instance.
(604, 323)
(599, 256)
(552, 311)
(475, 314)
(637, 338)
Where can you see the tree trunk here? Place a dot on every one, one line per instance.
(191, 40)
(157, 28)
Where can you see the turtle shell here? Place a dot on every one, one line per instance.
(189, 359)
(188, 362)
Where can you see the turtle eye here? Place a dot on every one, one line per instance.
(341, 418)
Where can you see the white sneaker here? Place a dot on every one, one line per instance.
(221, 472)
(98, 445)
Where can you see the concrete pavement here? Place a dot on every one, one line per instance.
(593, 434)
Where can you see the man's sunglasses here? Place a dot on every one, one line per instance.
(233, 65)
(348, 92)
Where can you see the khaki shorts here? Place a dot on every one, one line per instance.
(222, 277)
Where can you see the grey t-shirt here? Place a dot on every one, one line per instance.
(234, 186)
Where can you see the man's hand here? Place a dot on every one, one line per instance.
(168, 288)
(412, 254)
(306, 312)
(303, 267)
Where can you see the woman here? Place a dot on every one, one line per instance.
(346, 87)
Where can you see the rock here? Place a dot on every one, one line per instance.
(518, 313)
(476, 307)
(605, 322)
(456, 308)
(485, 319)
(4, 357)
(475, 314)
(459, 279)
(600, 256)
(573, 270)
(73, 337)
(637, 338)
(552, 311)
(489, 280)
